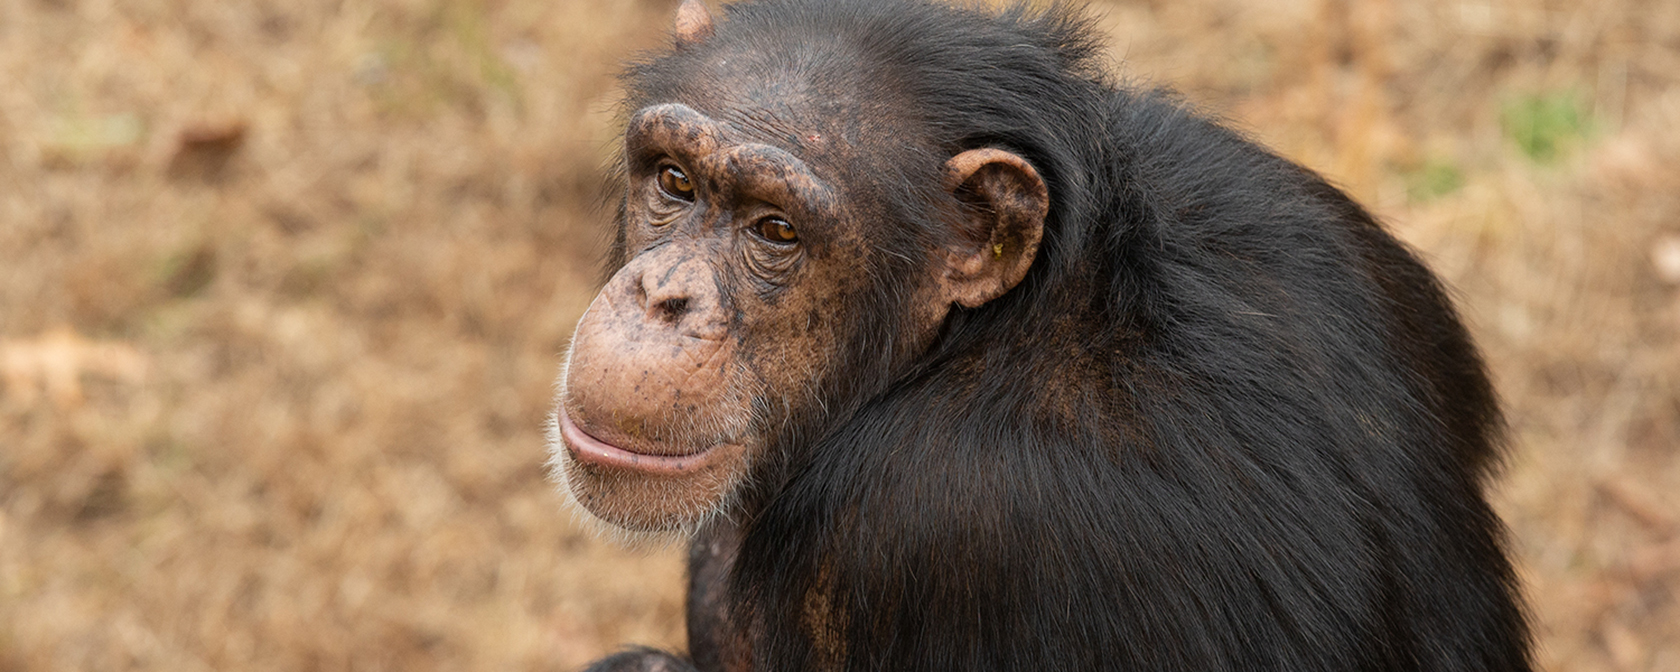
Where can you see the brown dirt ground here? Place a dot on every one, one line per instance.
(283, 287)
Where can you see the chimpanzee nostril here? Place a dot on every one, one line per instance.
(671, 310)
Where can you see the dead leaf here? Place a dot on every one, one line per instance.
(1636, 502)
(1624, 646)
(203, 150)
(1665, 257)
(57, 360)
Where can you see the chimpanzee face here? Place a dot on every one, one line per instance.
(735, 250)
(744, 288)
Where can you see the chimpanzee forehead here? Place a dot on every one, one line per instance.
(815, 99)
(780, 109)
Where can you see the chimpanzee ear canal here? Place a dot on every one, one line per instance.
(1005, 203)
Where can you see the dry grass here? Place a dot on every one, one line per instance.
(283, 285)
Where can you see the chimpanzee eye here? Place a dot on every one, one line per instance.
(777, 230)
(676, 183)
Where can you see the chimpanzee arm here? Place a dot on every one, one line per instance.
(641, 660)
(712, 640)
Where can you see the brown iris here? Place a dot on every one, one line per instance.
(676, 183)
(777, 230)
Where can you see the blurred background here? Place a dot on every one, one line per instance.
(284, 286)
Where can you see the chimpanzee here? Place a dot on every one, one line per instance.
(950, 352)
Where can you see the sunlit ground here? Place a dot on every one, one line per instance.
(283, 287)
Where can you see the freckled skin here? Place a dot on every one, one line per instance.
(643, 358)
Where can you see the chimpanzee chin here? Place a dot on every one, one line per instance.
(950, 352)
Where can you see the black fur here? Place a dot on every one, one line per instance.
(1226, 423)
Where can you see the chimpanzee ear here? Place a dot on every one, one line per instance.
(1004, 206)
(694, 22)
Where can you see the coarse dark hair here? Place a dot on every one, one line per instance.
(1226, 422)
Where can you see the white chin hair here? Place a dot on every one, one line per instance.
(560, 464)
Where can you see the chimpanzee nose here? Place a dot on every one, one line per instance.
(665, 296)
(683, 297)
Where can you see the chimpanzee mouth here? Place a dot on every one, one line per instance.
(590, 450)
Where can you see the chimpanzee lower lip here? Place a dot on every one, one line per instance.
(590, 450)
